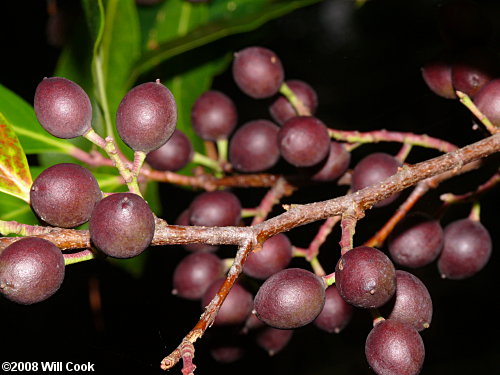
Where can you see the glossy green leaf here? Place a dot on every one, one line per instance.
(119, 48)
(21, 116)
(12, 208)
(15, 177)
(191, 74)
(212, 31)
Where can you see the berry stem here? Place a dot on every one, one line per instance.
(390, 136)
(206, 162)
(378, 238)
(222, 149)
(316, 266)
(450, 198)
(467, 101)
(139, 157)
(279, 190)
(404, 152)
(111, 149)
(376, 316)
(81, 256)
(95, 138)
(323, 233)
(475, 212)
(329, 279)
(296, 103)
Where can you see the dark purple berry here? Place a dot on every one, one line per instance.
(412, 301)
(487, 100)
(416, 241)
(236, 307)
(62, 107)
(146, 117)
(254, 146)
(290, 299)
(304, 141)
(273, 340)
(373, 169)
(195, 273)
(275, 255)
(437, 76)
(122, 225)
(336, 313)
(334, 166)
(173, 155)
(64, 195)
(473, 70)
(395, 348)
(258, 72)
(365, 277)
(214, 116)
(466, 250)
(281, 110)
(215, 209)
(183, 219)
(31, 270)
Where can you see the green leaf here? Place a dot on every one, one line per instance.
(94, 15)
(206, 33)
(15, 177)
(12, 208)
(21, 116)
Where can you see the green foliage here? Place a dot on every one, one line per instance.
(15, 177)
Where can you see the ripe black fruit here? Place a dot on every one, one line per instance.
(336, 313)
(195, 273)
(466, 250)
(31, 270)
(290, 299)
(173, 155)
(412, 301)
(122, 225)
(365, 277)
(258, 72)
(146, 117)
(304, 141)
(416, 241)
(215, 209)
(394, 348)
(64, 195)
(62, 107)
(254, 146)
(213, 116)
(275, 255)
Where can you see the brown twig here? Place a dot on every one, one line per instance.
(447, 166)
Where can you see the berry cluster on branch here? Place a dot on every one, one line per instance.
(122, 225)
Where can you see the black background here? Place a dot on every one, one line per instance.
(365, 66)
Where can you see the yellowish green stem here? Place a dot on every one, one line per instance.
(206, 162)
(299, 107)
